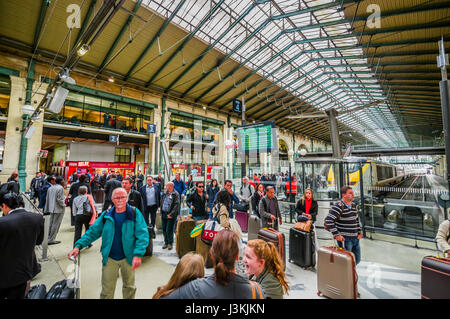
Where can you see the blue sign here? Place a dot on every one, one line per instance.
(151, 128)
(113, 138)
(237, 106)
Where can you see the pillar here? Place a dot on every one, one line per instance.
(14, 126)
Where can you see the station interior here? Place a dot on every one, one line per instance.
(345, 92)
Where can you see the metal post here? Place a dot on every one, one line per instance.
(361, 191)
(243, 165)
(45, 241)
(163, 115)
(445, 102)
(23, 141)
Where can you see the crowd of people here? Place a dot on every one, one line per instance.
(129, 212)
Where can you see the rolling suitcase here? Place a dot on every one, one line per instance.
(242, 219)
(435, 278)
(184, 243)
(203, 250)
(276, 238)
(254, 224)
(302, 250)
(336, 273)
(67, 288)
(37, 292)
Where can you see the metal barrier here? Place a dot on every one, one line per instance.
(31, 207)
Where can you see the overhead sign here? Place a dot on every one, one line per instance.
(113, 138)
(237, 106)
(259, 137)
(151, 128)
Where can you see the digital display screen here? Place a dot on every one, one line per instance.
(258, 137)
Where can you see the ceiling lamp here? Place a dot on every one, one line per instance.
(83, 50)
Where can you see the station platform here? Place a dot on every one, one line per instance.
(388, 270)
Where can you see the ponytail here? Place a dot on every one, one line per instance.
(224, 252)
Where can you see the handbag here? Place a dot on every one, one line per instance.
(304, 226)
(210, 231)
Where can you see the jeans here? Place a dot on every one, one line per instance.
(150, 214)
(167, 227)
(352, 244)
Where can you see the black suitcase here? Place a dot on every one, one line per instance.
(37, 292)
(435, 278)
(302, 250)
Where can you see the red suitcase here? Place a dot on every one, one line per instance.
(242, 218)
(277, 238)
(435, 278)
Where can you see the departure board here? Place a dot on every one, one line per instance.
(258, 137)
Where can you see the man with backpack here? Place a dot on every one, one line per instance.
(124, 241)
(343, 222)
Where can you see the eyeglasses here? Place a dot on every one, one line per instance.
(200, 186)
(120, 198)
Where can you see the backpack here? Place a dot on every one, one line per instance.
(87, 210)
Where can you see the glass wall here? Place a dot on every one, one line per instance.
(190, 144)
(86, 110)
(396, 201)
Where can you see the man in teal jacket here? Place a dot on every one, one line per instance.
(124, 241)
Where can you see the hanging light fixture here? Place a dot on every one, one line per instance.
(83, 50)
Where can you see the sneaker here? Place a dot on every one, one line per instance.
(54, 242)
(170, 246)
(165, 246)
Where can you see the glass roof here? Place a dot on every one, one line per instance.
(311, 71)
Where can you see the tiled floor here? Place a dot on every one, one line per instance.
(387, 270)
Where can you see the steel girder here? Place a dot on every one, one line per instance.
(119, 37)
(153, 40)
(319, 25)
(86, 20)
(259, 28)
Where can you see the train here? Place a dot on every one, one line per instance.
(375, 174)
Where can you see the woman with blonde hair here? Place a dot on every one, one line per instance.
(307, 206)
(191, 266)
(264, 265)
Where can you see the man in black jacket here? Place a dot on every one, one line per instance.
(20, 232)
(197, 202)
(110, 185)
(170, 206)
(134, 197)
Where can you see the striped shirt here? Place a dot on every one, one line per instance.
(342, 220)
